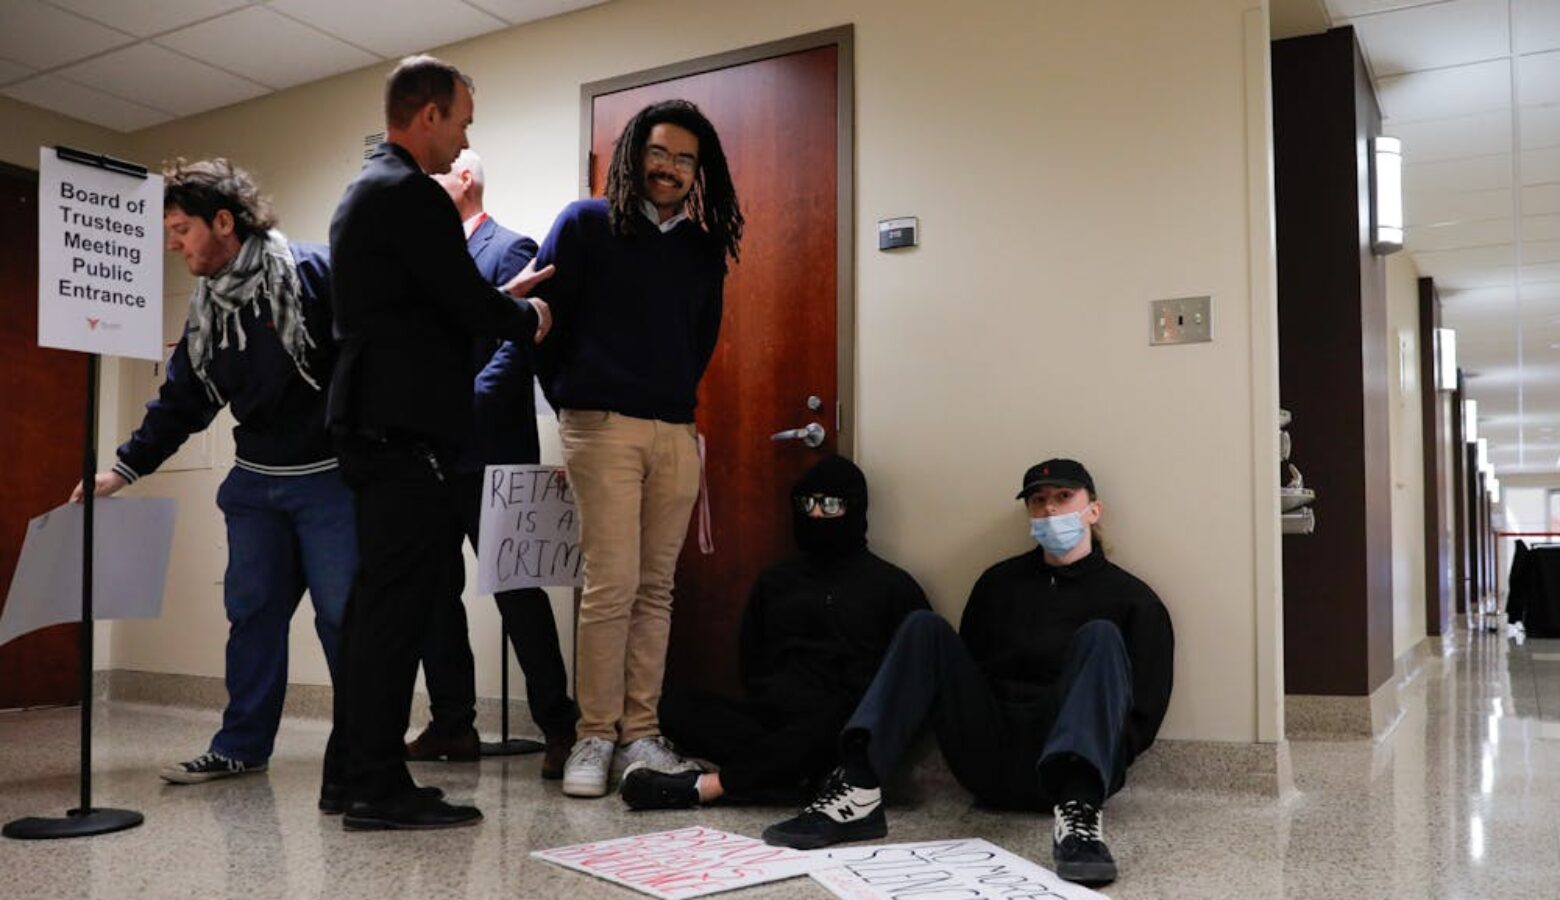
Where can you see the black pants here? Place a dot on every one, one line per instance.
(527, 615)
(928, 676)
(409, 534)
(765, 754)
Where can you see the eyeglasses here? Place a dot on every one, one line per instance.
(829, 506)
(682, 162)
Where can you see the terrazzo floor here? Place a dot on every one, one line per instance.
(1460, 800)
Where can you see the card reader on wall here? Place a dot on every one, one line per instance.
(896, 233)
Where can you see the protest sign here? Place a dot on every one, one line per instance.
(530, 530)
(968, 869)
(687, 862)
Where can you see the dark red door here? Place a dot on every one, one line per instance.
(777, 123)
(41, 434)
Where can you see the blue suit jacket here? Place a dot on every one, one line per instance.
(504, 424)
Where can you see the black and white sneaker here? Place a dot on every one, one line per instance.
(208, 766)
(1078, 845)
(646, 788)
(841, 812)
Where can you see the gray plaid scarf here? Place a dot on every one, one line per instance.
(263, 269)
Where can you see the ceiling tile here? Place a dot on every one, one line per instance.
(44, 37)
(84, 103)
(1540, 126)
(1541, 166)
(1542, 275)
(148, 73)
(1480, 134)
(269, 48)
(1458, 91)
(148, 17)
(1346, 9)
(1458, 234)
(1537, 25)
(393, 29)
(1539, 252)
(1541, 199)
(516, 11)
(1434, 36)
(1436, 207)
(1475, 173)
(1541, 228)
(1538, 79)
(12, 71)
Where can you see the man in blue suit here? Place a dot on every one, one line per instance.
(503, 432)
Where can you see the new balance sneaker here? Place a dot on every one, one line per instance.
(208, 766)
(585, 772)
(1078, 845)
(656, 753)
(841, 812)
(645, 788)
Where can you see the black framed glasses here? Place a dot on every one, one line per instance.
(683, 162)
(829, 506)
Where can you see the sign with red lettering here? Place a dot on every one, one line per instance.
(688, 862)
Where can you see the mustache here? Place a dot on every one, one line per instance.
(673, 176)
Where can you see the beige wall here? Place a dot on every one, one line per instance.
(1408, 467)
(1069, 163)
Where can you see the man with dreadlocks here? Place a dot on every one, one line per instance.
(258, 341)
(637, 303)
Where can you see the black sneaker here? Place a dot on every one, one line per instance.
(1078, 845)
(645, 788)
(841, 812)
(208, 766)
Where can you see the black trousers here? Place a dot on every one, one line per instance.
(448, 666)
(409, 535)
(765, 754)
(928, 676)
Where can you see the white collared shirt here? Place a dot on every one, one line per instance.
(654, 215)
(473, 223)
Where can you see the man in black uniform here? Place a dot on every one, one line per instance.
(1058, 677)
(409, 302)
(813, 632)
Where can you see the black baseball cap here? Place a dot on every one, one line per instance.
(1060, 472)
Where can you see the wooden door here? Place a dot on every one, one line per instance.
(777, 121)
(42, 410)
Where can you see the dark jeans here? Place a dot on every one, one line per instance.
(765, 754)
(285, 534)
(527, 614)
(409, 535)
(928, 676)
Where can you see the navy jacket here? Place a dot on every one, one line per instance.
(281, 418)
(503, 429)
(409, 303)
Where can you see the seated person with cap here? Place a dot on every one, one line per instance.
(813, 633)
(1057, 679)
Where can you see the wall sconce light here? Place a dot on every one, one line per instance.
(1386, 208)
(1471, 420)
(1445, 359)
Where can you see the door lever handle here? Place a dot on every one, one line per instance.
(812, 434)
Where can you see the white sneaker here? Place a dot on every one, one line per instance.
(657, 755)
(585, 773)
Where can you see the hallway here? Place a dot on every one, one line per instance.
(1460, 800)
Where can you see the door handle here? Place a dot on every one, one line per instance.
(811, 434)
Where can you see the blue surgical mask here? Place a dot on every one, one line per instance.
(1058, 535)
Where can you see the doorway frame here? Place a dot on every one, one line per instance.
(844, 39)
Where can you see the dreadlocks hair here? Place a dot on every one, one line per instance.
(208, 186)
(713, 201)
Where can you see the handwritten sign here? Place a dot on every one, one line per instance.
(100, 260)
(965, 869)
(530, 530)
(688, 862)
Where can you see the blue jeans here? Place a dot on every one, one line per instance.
(285, 534)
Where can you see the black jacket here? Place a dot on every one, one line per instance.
(409, 302)
(1023, 612)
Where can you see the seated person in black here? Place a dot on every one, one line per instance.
(813, 632)
(1057, 679)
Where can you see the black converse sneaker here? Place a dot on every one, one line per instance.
(646, 788)
(1078, 845)
(208, 766)
(841, 812)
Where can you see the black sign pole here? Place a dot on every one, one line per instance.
(85, 820)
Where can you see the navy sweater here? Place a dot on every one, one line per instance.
(636, 317)
(281, 419)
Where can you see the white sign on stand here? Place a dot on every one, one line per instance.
(100, 260)
(529, 533)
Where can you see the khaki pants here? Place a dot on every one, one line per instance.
(635, 482)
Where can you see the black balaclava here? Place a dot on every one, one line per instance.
(833, 476)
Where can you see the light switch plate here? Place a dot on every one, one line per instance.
(1183, 320)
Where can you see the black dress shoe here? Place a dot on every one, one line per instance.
(333, 797)
(430, 746)
(412, 810)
